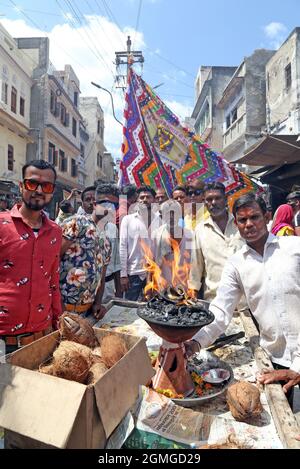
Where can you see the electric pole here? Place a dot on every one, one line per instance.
(127, 58)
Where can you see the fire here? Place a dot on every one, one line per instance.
(157, 282)
(179, 271)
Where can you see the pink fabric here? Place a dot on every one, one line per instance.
(283, 217)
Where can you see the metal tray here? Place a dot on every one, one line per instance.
(200, 365)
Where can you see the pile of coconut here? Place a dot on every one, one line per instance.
(79, 356)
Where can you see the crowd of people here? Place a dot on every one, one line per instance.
(82, 259)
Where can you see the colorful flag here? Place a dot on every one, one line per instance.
(158, 151)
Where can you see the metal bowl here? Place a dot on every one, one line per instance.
(216, 375)
(193, 401)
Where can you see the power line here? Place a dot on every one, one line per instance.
(95, 52)
(137, 21)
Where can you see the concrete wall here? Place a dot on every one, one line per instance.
(7, 137)
(91, 112)
(283, 103)
(14, 127)
(255, 89)
(220, 78)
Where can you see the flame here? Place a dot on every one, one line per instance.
(179, 272)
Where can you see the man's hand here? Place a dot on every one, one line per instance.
(98, 311)
(291, 377)
(192, 346)
(124, 284)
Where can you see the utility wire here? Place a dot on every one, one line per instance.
(137, 22)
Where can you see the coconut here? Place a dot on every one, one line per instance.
(243, 399)
(77, 329)
(113, 348)
(70, 346)
(96, 371)
(47, 369)
(71, 362)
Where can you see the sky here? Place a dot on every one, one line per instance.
(175, 36)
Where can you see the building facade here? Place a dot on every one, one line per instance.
(243, 105)
(283, 88)
(208, 122)
(54, 117)
(98, 162)
(15, 93)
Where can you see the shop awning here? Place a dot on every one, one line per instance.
(273, 150)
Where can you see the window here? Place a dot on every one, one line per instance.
(74, 127)
(99, 160)
(22, 106)
(63, 114)
(10, 158)
(13, 100)
(52, 102)
(288, 76)
(4, 94)
(231, 117)
(76, 98)
(63, 162)
(204, 120)
(98, 127)
(73, 168)
(52, 154)
(82, 149)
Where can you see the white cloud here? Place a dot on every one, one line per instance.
(75, 47)
(179, 109)
(275, 33)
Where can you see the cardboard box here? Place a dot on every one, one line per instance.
(42, 411)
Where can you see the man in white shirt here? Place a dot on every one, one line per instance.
(134, 231)
(216, 239)
(267, 271)
(166, 240)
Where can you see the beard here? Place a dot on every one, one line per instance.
(34, 205)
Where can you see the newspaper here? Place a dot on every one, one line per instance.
(158, 414)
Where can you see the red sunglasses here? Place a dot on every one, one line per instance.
(32, 185)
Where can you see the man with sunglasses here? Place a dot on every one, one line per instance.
(30, 243)
(195, 211)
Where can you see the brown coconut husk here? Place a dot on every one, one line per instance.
(230, 443)
(243, 399)
(47, 369)
(77, 329)
(96, 371)
(113, 348)
(69, 363)
(69, 346)
(97, 354)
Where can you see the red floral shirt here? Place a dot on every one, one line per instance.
(29, 274)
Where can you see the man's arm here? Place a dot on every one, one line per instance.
(55, 291)
(66, 243)
(197, 265)
(99, 310)
(228, 296)
(124, 253)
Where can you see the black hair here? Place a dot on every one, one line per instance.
(87, 189)
(214, 186)
(39, 164)
(146, 189)
(107, 188)
(247, 200)
(179, 188)
(65, 206)
(129, 190)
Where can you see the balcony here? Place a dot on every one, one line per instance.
(235, 131)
